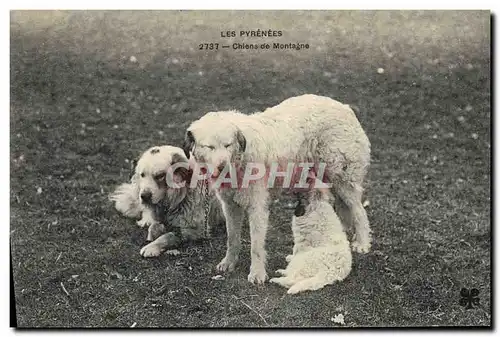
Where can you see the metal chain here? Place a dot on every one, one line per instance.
(206, 208)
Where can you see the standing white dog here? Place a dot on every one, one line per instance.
(304, 128)
(321, 252)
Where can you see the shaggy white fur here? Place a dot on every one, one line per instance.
(305, 128)
(127, 201)
(165, 208)
(321, 252)
(149, 178)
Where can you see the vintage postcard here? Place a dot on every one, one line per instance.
(242, 169)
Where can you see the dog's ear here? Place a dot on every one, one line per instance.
(189, 142)
(242, 141)
(175, 196)
(133, 165)
(181, 173)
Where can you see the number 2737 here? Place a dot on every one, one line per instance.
(208, 46)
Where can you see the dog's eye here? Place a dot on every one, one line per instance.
(159, 176)
(142, 175)
(209, 146)
(227, 145)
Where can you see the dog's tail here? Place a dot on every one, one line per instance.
(126, 199)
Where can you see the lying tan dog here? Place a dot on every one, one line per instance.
(173, 214)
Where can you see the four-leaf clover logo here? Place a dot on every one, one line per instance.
(469, 298)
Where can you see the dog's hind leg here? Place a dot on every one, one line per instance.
(158, 246)
(351, 194)
(344, 214)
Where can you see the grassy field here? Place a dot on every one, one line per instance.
(90, 90)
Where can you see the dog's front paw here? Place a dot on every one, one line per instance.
(257, 275)
(361, 247)
(151, 250)
(294, 290)
(155, 230)
(145, 222)
(281, 272)
(284, 281)
(280, 281)
(226, 265)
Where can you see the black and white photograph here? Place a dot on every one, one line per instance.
(251, 168)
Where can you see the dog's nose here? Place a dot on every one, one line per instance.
(218, 170)
(221, 167)
(146, 196)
